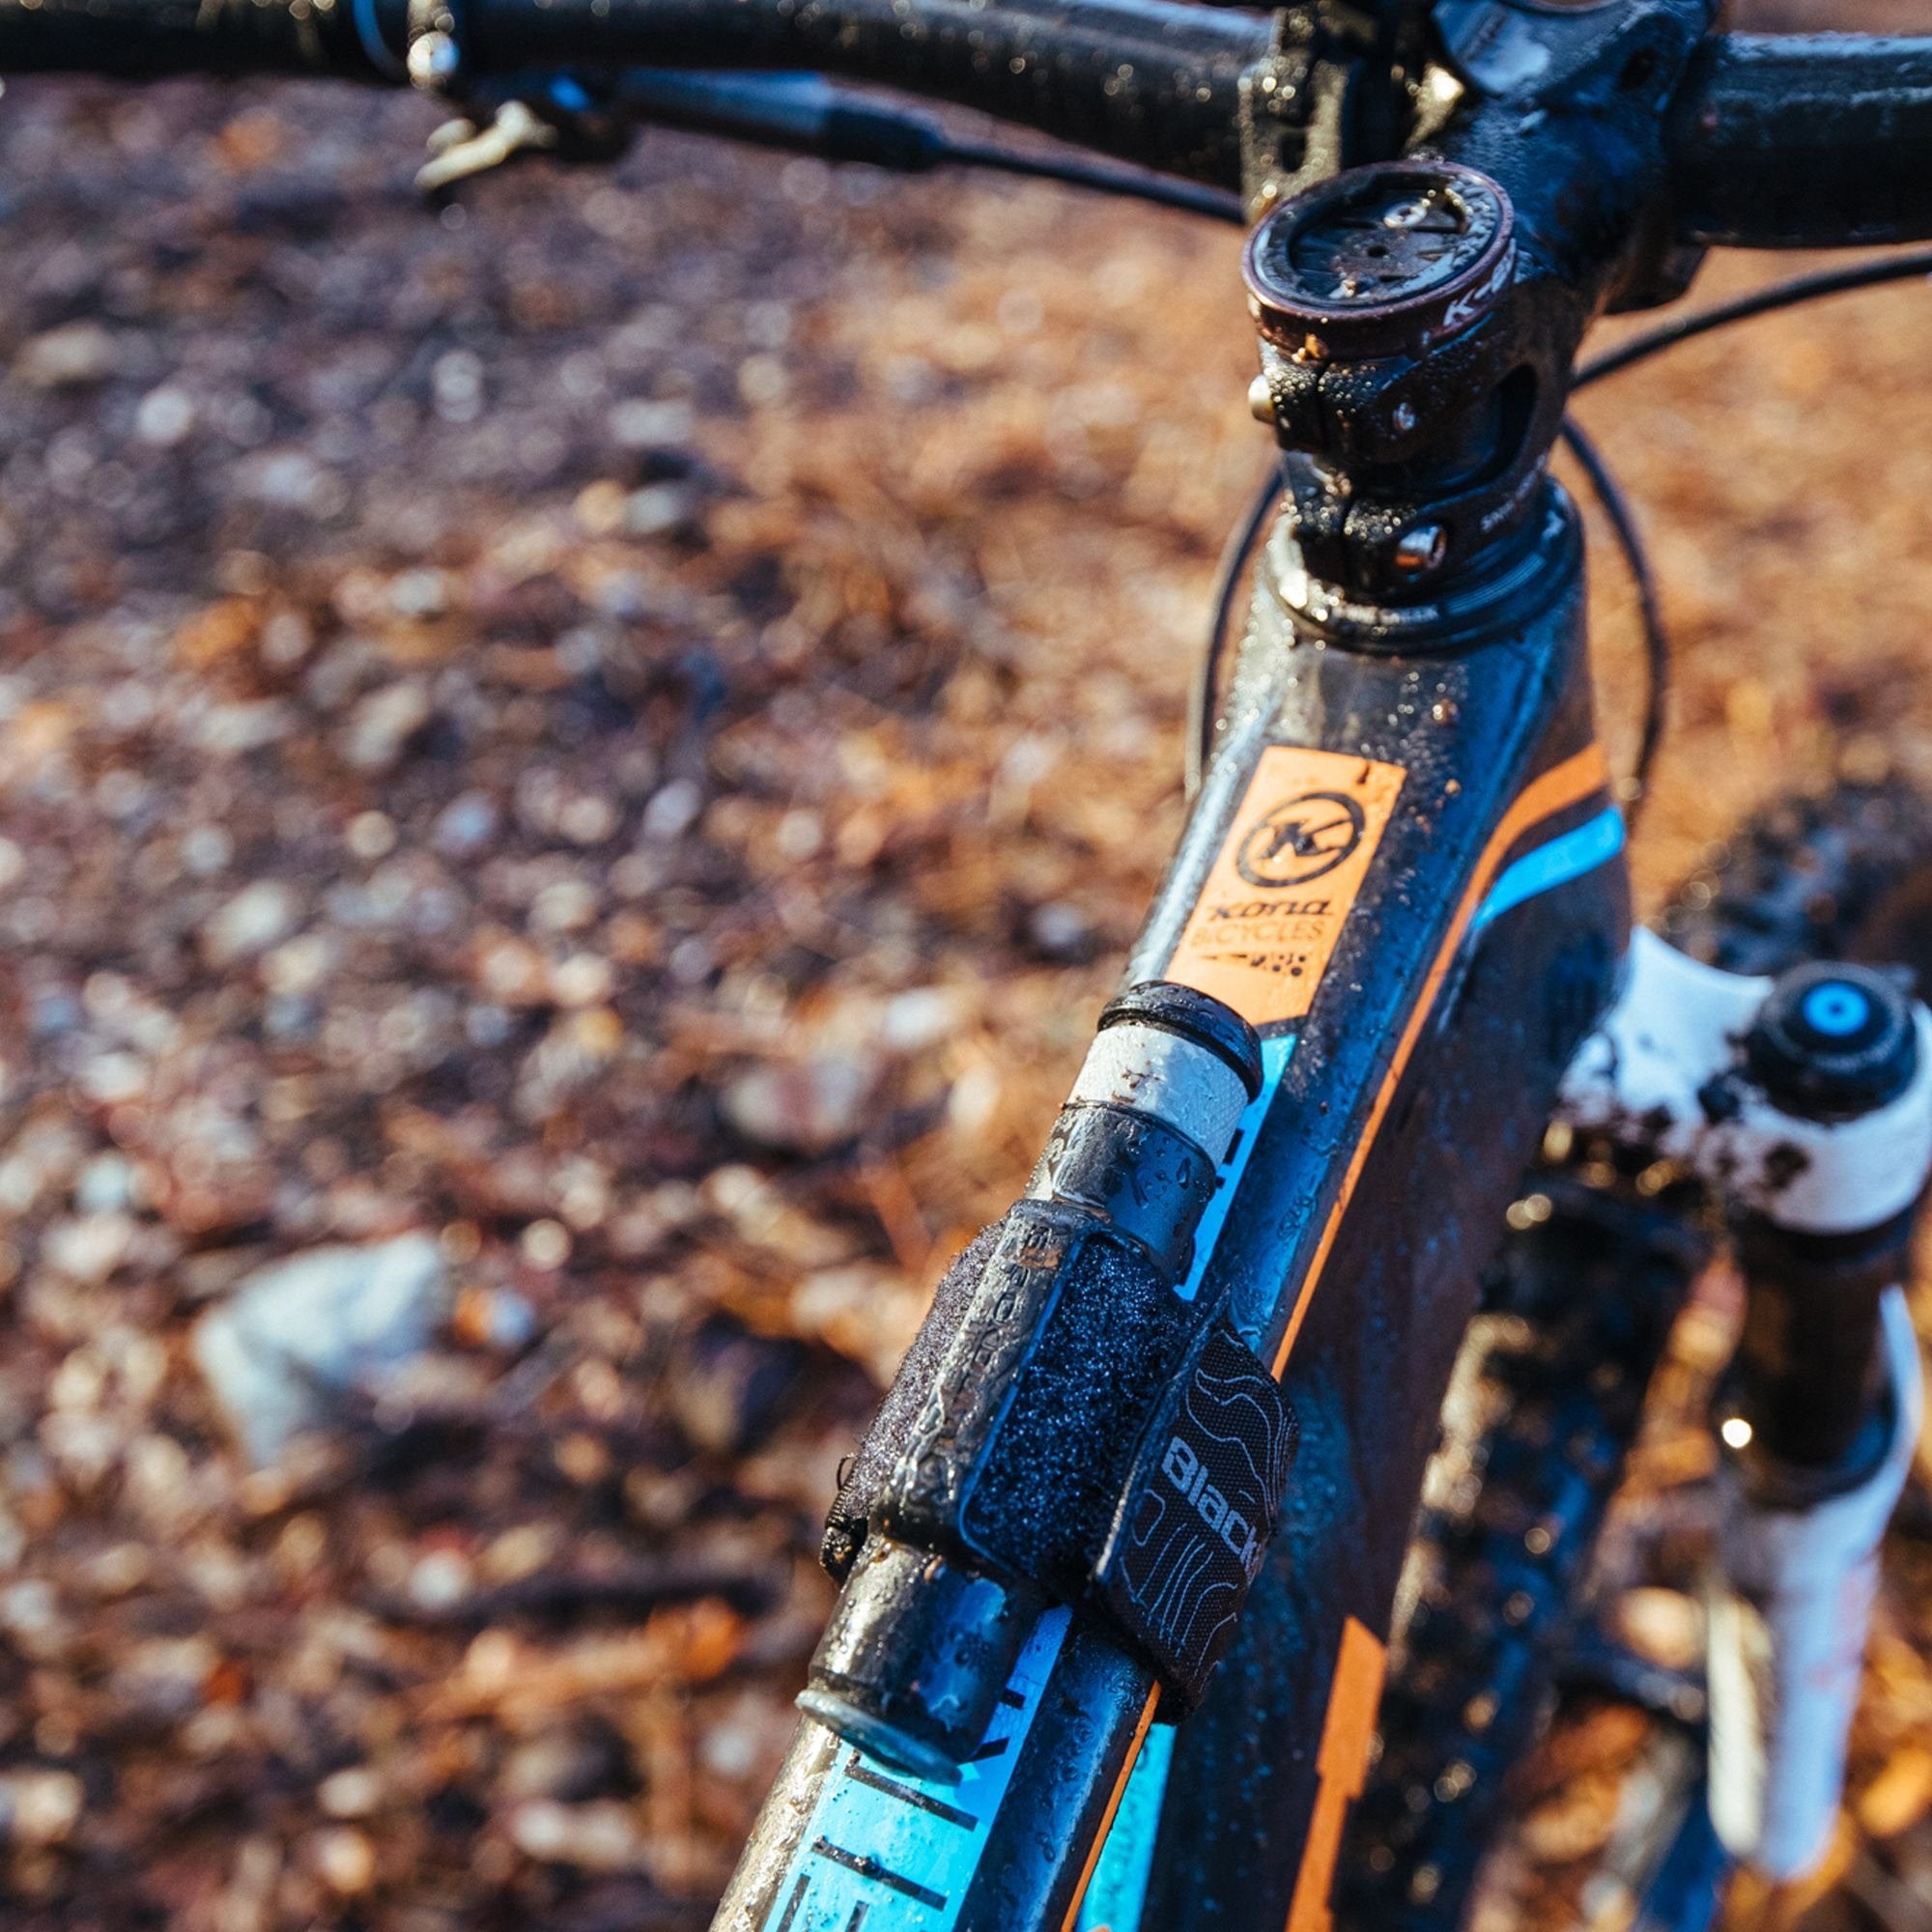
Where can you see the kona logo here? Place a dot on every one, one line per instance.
(1272, 909)
(1189, 1474)
(1301, 840)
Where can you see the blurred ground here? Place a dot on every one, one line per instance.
(628, 725)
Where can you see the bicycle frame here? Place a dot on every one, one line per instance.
(1407, 872)
(1419, 984)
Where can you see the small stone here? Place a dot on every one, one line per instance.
(113, 1077)
(641, 424)
(354, 1793)
(164, 416)
(372, 835)
(672, 811)
(466, 825)
(106, 1184)
(656, 508)
(344, 1859)
(586, 819)
(251, 922)
(38, 1807)
(296, 1336)
(546, 1244)
(421, 594)
(565, 905)
(439, 1581)
(599, 507)
(1900, 1794)
(599, 1837)
(807, 1107)
(90, 1247)
(381, 723)
(206, 850)
(731, 1748)
(70, 357)
(583, 980)
(1662, 1626)
(495, 1318)
(290, 479)
(1060, 930)
(799, 836)
(564, 1765)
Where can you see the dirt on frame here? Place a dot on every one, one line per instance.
(626, 727)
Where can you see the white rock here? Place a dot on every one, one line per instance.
(38, 1807)
(382, 722)
(166, 416)
(804, 1106)
(89, 1247)
(295, 1337)
(67, 358)
(673, 810)
(467, 825)
(251, 922)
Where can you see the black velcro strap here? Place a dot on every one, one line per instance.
(1197, 1511)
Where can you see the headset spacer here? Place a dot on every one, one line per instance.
(1384, 260)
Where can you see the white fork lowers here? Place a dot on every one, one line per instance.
(1668, 1072)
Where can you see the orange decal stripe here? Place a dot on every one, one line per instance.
(1562, 785)
(1354, 1696)
(1067, 1924)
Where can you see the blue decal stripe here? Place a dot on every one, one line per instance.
(904, 1845)
(1275, 1054)
(1591, 845)
(1117, 1896)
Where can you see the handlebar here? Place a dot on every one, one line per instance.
(1144, 80)
(1774, 141)
(1808, 141)
(147, 40)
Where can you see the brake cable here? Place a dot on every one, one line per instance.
(1232, 570)
(1164, 191)
(1615, 506)
(1788, 294)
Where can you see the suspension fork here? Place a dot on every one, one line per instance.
(1806, 1104)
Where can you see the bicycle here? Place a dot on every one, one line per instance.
(1108, 1486)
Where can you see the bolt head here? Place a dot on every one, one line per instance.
(1420, 550)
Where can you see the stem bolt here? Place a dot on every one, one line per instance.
(1261, 400)
(1420, 550)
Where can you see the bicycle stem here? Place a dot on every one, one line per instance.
(1419, 321)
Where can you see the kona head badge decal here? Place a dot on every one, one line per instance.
(1284, 880)
(1301, 840)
